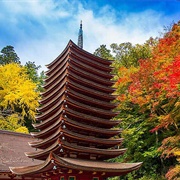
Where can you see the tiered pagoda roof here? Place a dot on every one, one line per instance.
(76, 132)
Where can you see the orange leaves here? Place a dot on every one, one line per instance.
(124, 75)
(121, 97)
(164, 122)
(158, 77)
(173, 173)
(171, 148)
(169, 46)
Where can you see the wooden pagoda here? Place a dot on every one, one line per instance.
(76, 134)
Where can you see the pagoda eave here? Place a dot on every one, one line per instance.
(98, 131)
(50, 65)
(100, 122)
(88, 83)
(90, 68)
(95, 78)
(100, 142)
(62, 147)
(90, 100)
(46, 131)
(75, 137)
(108, 169)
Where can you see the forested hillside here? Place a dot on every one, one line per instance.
(148, 89)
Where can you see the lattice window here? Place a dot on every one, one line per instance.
(95, 178)
(62, 178)
(72, 178)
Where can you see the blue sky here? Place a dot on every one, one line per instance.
(40, 29)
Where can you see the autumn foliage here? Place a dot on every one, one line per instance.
(155, 87)
(18, 97)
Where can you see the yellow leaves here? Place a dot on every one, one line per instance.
(22, 129)
(12, 123)
(17, 91)
(177, 153)
(177, 104)
(128, 132)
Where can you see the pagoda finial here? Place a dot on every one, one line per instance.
(80, 36)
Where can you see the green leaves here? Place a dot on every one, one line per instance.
(103, 52)
(8, 55)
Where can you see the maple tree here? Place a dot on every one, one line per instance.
(153, 87)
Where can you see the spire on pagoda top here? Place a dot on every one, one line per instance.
(80, 36)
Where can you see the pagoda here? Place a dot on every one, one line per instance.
(76, 134)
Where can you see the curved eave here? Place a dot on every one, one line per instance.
(89, 100)
(90, 62)
(80, 126)
(43, 143)
(90, 69)
(54, 78)
(52, 110)
(91, 76)
(32, 170)
(90, 91)
(46, 131)
(51, 72)
(73, 47)
(92, 129)
(90, 83)
(60, 88)
(77, 137)
(102, 153)
(49, 92)
(43, 154)
(108, 168)
(59, 79)
(91, 58)
(90, 109)
(52, 101)
(91, 139)
(50, 65)
(100, 122)
(49, 120)
(111, 168)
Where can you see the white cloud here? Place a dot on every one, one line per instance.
(58, 21)
(134, 28)
(37, 8)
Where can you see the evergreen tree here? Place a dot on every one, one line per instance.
(8, 55)
(103, 52)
